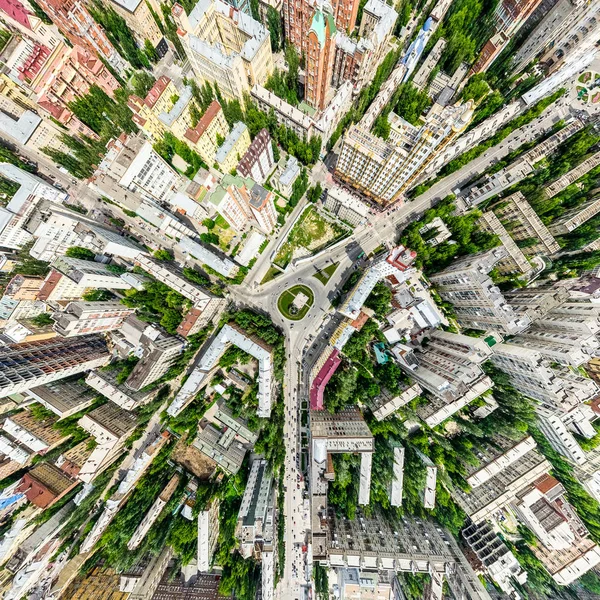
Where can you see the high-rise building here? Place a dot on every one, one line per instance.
(258, 162)
(509, 17)
(77, 24)
(89, 274)
(225, 47)
(139, 18)
(320, 52)
(31, 364)
(82, 318)
(478, 303)
(573, 218)
(384, 170)
(159, 354)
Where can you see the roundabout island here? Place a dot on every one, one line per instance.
(295, 302)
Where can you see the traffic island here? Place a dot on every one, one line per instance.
(294, 303)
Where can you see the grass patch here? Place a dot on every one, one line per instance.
(221, 222)
(312, 232)
(286, 300)
(325, 274)
(270, 275)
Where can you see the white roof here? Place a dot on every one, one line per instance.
(349, 201)
(224, 266)
(250, 249)
(29, 185)
(228, 335)
(20, 129)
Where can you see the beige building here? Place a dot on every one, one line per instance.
(225, 46)
(165, 108)
(203, 137)
(233, 148)
(575, 217)
(139, 19)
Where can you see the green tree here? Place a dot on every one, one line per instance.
(79, 252)
(276, 153)
(150, 51)
(275, 29)
(210, 238)
(42, 319)
(476, 88)
(142, 83)
(163, 254)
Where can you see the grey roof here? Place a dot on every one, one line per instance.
(230, 141)
(184, 99)
(258, 195)
(20, 129)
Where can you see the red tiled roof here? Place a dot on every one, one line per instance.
(17, 11)
(359, 322)
(49, 285)
(211, 112)
(317, 388)
(545, 483)
(188, 321)
(156, 91)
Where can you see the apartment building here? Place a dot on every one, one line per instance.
(516, 212)
(105, 383)
(134, 165)
(572, 219)
(32, 364)
(242, 203)
(478, 303)
(225, 47)
(233, 148)
(159, 355)
(18, 212)
(64, 398)
(139, 19)
(165, 108)
(287, 172)
(208, 535)
(204, 137)
(110, 426)
(509, 17)
(59, 76)
(384, 170)
(572, 176)
(256, 518)
(346, 206)
(515, 261)
(77, 24)
(22, 19)
(320, 53)
(258, 162)
(45, 484)
(89, 274)
(82, 318)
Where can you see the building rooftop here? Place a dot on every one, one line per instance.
(64, 396)
(51, 477)
(118, 421)
(211, 112)
(177, 109)
(230, 141)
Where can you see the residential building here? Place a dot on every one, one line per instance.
(256, 519)
(253, 345)
(494, 557)
(421, 77)
(288, 171)
(17, 213)
(448, 368)
(22, 19)
(320, 52)
(505, 468)
(346, 432)
(89, 274)
(208, 535)
(223, 448)
(525, 225)
(23, 287)
(64, 74)
(514, 261)
(478, 303)
(45, 484)
(258, 162)
(105, 382)
(346, 207)
(204, 137)
(565, 549)
(82, 318)
(135, 166)
(32, 364)
(211, 28)
(536, 302)
(165, 108)
(139, 18)
(159, 354)
(79, 27)
(64, 398)
(242, 202)
(110, 426)
(572, 176)
(384, 170)
(235, 145)
(509, 17)
(196, 252)
(386, 403)
(573, 218)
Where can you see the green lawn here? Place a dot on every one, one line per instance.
(285, 301)
(311, 232)
(270, 274)
(325, 275)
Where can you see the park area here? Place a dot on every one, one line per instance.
(311, 233)
(325, 274)
(294, 303)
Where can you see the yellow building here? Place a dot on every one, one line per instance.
(225, 46)
(139, 19)
(164, 108)
(203, 137)
(233, 148)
